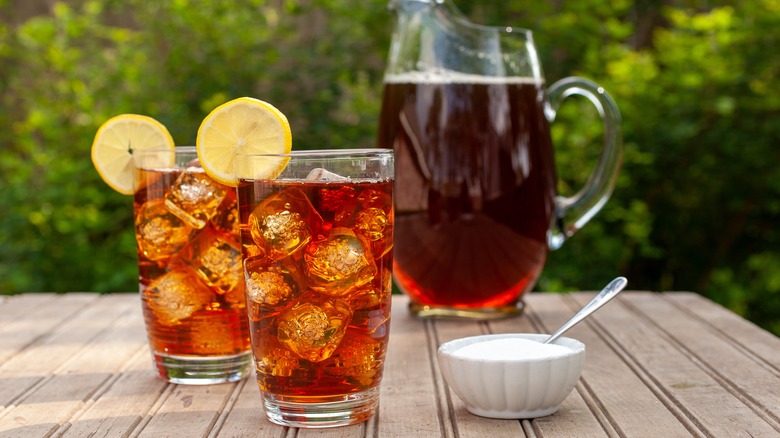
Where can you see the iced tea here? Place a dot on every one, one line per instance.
(190, 273)
(318, 267)
(475, 190)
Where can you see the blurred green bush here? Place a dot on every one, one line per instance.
(696, 207)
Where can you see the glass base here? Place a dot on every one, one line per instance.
(204, 370)
(425, 311)
(318, 412)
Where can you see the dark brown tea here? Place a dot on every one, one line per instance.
(475, 187)
(189, 265)
(318, 283)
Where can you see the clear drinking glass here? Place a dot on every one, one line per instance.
(318, 249)
(189, 265)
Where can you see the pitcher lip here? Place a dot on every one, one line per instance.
(460, 18)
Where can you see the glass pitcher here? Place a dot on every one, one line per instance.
(467, 111)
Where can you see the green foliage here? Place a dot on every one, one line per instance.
(695, 208)
(696, 205)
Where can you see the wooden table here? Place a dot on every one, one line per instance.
(661, 365)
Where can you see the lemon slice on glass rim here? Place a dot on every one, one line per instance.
(246, 125)
(115, 141)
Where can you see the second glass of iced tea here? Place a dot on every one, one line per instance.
(317, 243)
(189, 264)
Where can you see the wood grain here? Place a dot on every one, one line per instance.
(657, 364)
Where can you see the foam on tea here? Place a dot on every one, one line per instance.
(510, 349)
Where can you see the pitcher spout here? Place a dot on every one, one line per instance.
(435, 37)
(410, 5)
(445, 9)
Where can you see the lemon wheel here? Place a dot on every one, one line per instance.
(115, 141)
(245, 125)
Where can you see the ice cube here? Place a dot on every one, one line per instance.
(159, 233)
(371, 223)
(176, 296)
(375, 220)
(369, 213)
(358, 359)
(274, 360)
(194, 197)
(283, 223)
(215, 258)
(215, 336)
(324, 175)
(313, 327)
(375, 225)
(236, 297)
(339, 264)
(369, 198)
(371, 305)
(226, 219)
(338, 205)
(278, 362)
(268, 288)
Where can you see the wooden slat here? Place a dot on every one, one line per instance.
(613, 381)
(753, 400)
(673, 373)
(408, 398)
(453, 410)
(122, 352)
(15, 307)
(188, 411)
(54, 348)
(27, 318)
(246, 417)
(120, 407)
(579, 414)
(742, 333)
(353, 430)
(51, 381)
(671, 364)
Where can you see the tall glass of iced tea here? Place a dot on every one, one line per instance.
(467, 111)
(189, 265)
(318, 248)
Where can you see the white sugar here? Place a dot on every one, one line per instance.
(510, 349)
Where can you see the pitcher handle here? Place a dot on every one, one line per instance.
(572, 213)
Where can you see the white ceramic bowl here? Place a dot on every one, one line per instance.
(512, 388)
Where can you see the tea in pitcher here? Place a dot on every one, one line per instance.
(475, 186)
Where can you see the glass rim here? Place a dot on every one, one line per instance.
(327, 153)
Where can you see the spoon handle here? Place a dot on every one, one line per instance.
(599, 300)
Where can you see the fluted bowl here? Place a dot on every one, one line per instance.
(498, 384)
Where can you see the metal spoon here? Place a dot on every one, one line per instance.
(599, 300)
